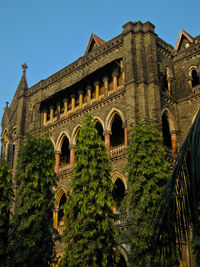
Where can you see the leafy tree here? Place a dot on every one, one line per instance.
(178, 210)
(90, 236)
(6, 195)
(32, 226)
(148, 172)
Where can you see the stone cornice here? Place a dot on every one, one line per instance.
(187, 53)
(165, 46)
(169, 99)
(80, 63)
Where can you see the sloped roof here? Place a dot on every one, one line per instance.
(191, 39)
(94, 42)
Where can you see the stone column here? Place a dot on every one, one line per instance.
(105, 81)
(107, 141)
(73, 99)
(72, 155)
(55, 218)
(174, 142)
(125, 136)
(80, 92)
(57, 157)
(65, 106)
(89, 92)
(45, 117)
(114, 75)
(96, 84)
(51, 113)
(169, 80)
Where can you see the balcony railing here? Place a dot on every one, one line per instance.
(115, 151)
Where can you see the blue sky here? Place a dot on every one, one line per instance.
(50, 34)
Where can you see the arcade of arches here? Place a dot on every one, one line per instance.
(114, 138)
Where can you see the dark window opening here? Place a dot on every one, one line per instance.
(99, 128)
(165, 82)
(62, 107)
(118, 191)
(195, 78)
(65, 152)
(61, 216)
(122, 262)
(117, 136)
(166, 131)
(12, 155)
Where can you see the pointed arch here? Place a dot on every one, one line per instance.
(123, 253)
(13, 131)
(5, 131)
(195, 113)
(111, 115)
(115, 175)
(172, 124)
(99, 127)
(53, 142)
(60, 192)
(98, 118)
(75, 133)
(60, 139)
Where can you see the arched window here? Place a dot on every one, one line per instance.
(61, 216)
(65, 152)
(195, 78)
(166, 130)
(122, 262)
(99, 128)
(165, 82)
(117, 136)
(118, 191)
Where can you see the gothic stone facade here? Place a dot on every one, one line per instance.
(134, 76)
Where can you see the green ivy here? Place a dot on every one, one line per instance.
(31, 234)
(6, 196)
(90, 236)
(148, 172)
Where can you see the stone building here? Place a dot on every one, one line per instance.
(136, 75)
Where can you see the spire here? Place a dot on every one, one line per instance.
(23, 82)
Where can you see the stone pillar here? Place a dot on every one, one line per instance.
(45, 117)
(65, 106)
(51, 113)
(80, 92)
(114, 75)
(72, 155)
(89, 92)
(107, 141)
(174, 142)
(57, 157)
(105, 81)
(73, 99)
(125, 136)
(55, 218)
(169, 82)
(96, 84)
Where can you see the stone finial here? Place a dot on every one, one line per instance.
(24, 67)
(7, 104)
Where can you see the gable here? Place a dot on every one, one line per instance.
(184, 41)
(93, 43)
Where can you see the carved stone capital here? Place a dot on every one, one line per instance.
(80, 92)
(96, 83)
(107, 133)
